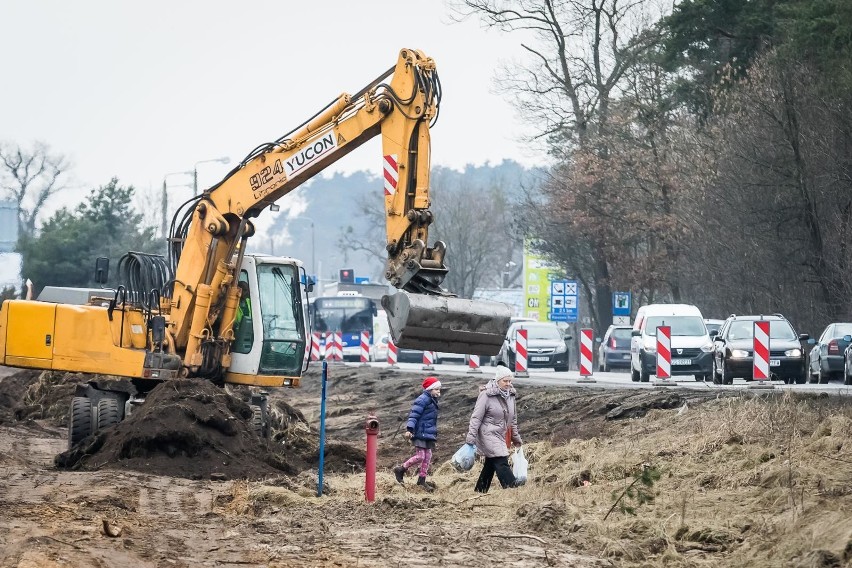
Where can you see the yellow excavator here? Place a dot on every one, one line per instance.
(213, 311)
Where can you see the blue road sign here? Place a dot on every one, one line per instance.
(563, 300)
(621, 303)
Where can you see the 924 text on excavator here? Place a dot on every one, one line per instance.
(176, 317)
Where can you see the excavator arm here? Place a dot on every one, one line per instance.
(400, 105)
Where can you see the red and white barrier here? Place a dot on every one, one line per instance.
(338, 346)
(586, 347)
(315, 346)
(761, 351)
(664, 352)
(521, 353)
(328, 351)
(365, 347)
(428, 360)
(392, 353)
(473, 363)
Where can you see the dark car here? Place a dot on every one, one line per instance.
(825, 360)
(733, 350)
(545, 346)
(713, 325)
(409, 356)
(614, 350)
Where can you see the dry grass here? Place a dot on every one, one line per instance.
(751, 481)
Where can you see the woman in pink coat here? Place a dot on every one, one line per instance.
(492, 418)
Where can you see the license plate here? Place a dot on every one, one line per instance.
(626, 356)
(775, 362)
(681, 361)
(539, 359)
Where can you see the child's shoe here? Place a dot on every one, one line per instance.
(428, 487)
(399, 472)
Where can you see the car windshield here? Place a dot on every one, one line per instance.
(542, 332)
(621, 333)
(681, 325)
(744, 329)
(842, 329)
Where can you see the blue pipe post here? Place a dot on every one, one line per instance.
(322, 428)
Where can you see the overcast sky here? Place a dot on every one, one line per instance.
(141, 90)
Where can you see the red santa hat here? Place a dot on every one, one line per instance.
(430, 383)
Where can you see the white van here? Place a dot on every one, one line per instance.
(692, 350)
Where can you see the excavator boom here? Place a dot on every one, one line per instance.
(401, 111)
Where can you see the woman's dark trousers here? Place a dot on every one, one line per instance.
(500, 466)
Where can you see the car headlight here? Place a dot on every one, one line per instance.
(739, 354)
(650, 344)
(793, 353)
(707, 347)
(560, 348)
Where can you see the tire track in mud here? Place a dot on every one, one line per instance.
(173, 498)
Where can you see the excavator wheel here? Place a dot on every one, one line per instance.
(257, 421)
(80, 420)
(108, 413)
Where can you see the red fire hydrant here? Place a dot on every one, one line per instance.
(372, 428)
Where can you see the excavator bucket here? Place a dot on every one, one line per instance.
(446, 324)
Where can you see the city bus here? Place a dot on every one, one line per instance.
(349, 313)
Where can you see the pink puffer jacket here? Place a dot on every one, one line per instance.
(491, 417)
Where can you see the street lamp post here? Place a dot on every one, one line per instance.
(223, 160)
(508, 269)
(164, 227)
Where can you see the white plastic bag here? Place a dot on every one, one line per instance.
(463, 459)
(519, 466)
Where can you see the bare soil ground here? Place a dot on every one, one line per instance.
(744, 479)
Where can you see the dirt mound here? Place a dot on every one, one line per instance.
(193, 429)
(13, 388)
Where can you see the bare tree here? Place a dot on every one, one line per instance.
(30, 177)
(783, 195)
(474, 219)
(580, 51)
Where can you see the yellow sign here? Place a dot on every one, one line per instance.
(538, 273)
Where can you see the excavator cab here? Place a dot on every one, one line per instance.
(271, 327)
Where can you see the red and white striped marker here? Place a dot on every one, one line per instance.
(315, 346)
(586, 346)
(392, 353)
(365, 347)
(338, 346)
(391, 170)
(473, 363)
(664, 352)
(521, 353)
(329, 346)
(428, 360)
(761, 351)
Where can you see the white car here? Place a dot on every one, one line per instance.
(379, 348)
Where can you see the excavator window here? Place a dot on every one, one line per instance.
(244, 332)
(283, 320)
